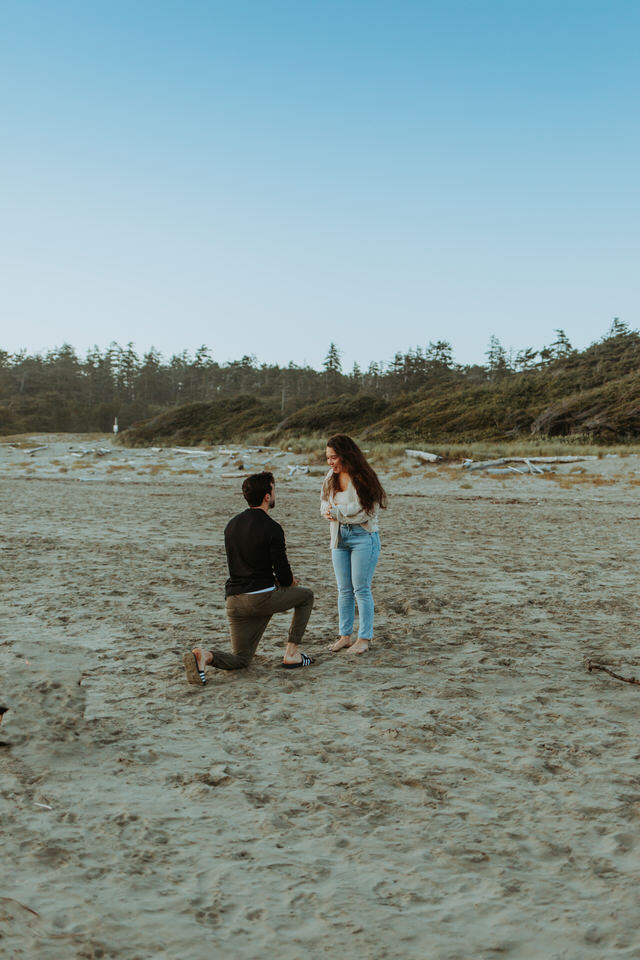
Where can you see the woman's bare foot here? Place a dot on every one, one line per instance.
(360, 646)
(340, 643)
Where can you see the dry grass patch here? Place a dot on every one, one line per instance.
(540, 447)
(567, 480)
(119, 466)
(23, 440)
(313, 446)
(444, 470)
(384, 452)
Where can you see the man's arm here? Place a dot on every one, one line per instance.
(279, 561)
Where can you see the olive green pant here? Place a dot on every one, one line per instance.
(248, 615)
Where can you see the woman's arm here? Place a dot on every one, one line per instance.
(351, 513)
(327, 507)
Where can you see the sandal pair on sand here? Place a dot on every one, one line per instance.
(197, 676)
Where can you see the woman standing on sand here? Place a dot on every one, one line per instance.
(351, 499)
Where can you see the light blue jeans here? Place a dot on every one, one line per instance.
(354, 561)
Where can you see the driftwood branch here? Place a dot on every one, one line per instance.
(483, 464)
(423, 456)
(13, 900)
(29, 450)
(598, 666)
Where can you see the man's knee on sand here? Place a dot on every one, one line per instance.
(238, 660)
(244, 658)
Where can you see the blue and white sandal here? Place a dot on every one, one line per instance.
(193, 671)
(305, 662)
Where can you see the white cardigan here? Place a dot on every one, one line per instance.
(349, 511)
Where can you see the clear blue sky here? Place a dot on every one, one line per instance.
(267, 176)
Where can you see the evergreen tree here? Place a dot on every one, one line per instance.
(525, 359)
(397, 367)
(618, 328)
(440, 354)
(561, 346)
(129, 364)
(332, 361)
(497, 359)
(151, 382)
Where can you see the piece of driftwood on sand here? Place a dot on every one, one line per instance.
(29, 450)
(423, 455)
(89, 451)
(24, 907)
(599, 666)
(531, 468)
(529, 461)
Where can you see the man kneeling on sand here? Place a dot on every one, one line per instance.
(260, 584)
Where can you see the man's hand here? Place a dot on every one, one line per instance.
(295, 582)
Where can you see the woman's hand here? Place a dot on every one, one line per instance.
(328, 515)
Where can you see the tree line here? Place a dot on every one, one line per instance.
(60, 391)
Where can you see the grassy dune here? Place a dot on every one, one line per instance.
(587, 400)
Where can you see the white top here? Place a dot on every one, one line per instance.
(345, 507)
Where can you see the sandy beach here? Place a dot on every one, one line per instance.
(467, 789)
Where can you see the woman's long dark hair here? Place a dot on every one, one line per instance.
(363, 477)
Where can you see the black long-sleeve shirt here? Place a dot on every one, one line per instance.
(256, 553)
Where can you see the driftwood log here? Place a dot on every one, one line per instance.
(30, 450)
(423, 455)
(529, 461)
(599, 666)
